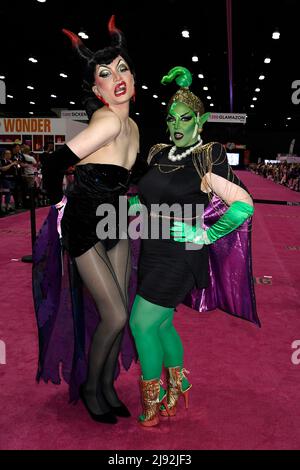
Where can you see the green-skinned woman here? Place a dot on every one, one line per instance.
(186, 173)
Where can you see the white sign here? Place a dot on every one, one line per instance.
(228, 118)
(2, 92)
(75, 115)
(288, 158)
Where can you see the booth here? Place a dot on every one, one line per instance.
(38, 132)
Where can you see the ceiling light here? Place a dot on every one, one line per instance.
(72, 102)
(155, 96)
(53, 96)
(31, 102)
(145, 87)
(31, 112)
(163, 103)
(261, 77)
(205, 88)
(63, 75)
(252, 106)
(33, 60)
(9, 96)
(267, 60)
(208, 97)
(2, 77)
(195, 58)
(200, 75)
(185, 33)
(254, 99)
(257, 90)
(211, 104)
(137, 114)
(83, 34)
(276, 34)
(41, 1)
(29, 87)
(289, 118)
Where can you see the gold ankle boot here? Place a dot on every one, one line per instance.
(151, 401)
(175, 377)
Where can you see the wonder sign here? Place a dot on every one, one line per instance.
(23, 126)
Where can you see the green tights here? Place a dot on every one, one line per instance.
(156, 339)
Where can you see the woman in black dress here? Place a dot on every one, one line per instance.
(103, 155)
(187, 175)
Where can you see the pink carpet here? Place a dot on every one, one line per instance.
(261, 188)
(245, 391)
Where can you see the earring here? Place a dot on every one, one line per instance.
(102, 100)
(170, 138)
(133, 96)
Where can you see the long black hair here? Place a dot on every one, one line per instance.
(102, 56)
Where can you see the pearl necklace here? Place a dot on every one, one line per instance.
(176, 158)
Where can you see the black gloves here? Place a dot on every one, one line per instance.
(54, 166)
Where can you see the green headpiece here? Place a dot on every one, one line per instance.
(183, 78)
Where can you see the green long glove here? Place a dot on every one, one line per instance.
(235, 216)
(134, 205)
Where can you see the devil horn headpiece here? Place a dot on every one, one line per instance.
(77, 43)
(115, 33)
(117, 40)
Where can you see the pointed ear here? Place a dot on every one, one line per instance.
(204, 118)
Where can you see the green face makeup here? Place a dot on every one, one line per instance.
(181, 121)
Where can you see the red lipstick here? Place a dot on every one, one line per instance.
(120, 89)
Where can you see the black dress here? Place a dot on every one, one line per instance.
(94, 184)
(167, 270)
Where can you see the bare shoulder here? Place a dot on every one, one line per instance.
(134, 125)
(103, 117)
(103, 128)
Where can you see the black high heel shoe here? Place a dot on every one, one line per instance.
(122, 411)
(108, 417)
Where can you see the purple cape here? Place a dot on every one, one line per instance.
(67, 316)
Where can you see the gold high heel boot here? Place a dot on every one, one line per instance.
(175, 377)
(151, 401)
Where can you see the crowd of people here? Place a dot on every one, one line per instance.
(21, 171)
(287, 174)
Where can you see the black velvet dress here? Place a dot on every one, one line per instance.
(167, 269)
(94, 184)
